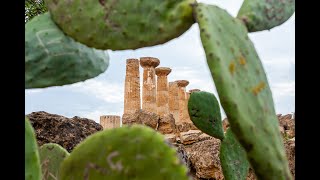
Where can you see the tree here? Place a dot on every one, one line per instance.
(33, 8)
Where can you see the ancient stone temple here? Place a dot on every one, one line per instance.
(164, 105)
(162, 90)
(110, 121)
(132, 87)
(149, 91)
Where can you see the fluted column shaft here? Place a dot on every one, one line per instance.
(162, 90)
(174, 100)
(110, 121)
(132, 87)
(183, 108)
(149, 101)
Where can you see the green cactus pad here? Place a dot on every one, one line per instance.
(243, 90)
(204, 112)
(122, 24)
(261, 15)
(233, 158)
(31, 154)
(127, 153)
(51, 156)
(54, 59)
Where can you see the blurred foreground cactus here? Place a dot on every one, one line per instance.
(31, 153)
(244, 91)
(235, 66)
(54, 59)
(51, 156)
(127, 153)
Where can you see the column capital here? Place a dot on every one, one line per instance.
(130, 60)
(149, 62)
(163, 71)
(182, 83)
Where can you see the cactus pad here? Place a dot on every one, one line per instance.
(31, 154)
(233, 158)
(127, 153)
(122, 24)
(54, 59)
(51, 156)
(204, 111)
(261, 15)
(243, 90)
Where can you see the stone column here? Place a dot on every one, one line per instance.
(183, 108)
(162, 90)
(110, 121)
(132, 87)
(174, 100)
(149, 101)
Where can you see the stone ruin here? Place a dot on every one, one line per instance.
(110, 121)
(163, 105)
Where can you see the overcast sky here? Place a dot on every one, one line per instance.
(104, 94)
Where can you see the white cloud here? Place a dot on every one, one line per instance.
(283, 89)
(106, 91)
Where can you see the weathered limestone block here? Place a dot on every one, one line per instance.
(174, 100)
(149, 101)
(183, 126)
(166, 124)
(171, 138)
(141, 117)
(204, 157)
(205, 136)
(110, 121)
(190, 136)
(162, 90)
(132, 87)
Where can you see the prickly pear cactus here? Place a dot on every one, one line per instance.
(51, 157)
(54, 59)
(204, 112)
(127, 153)
(233, 158)
(122, 24)
(31, 154)
(243, 90)
(261, 15)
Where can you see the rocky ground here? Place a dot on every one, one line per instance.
(67, 132)
(199, 151)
